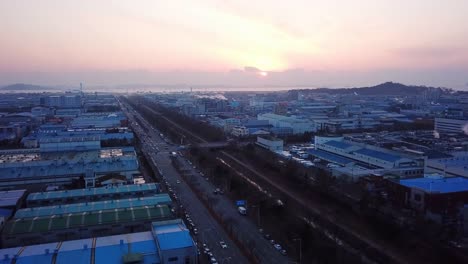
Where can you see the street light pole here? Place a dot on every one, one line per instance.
(300, 249)
(258, 213)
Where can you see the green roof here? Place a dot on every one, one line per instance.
(32, 212)
(77, 220)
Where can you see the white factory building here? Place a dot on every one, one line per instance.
(297, 125)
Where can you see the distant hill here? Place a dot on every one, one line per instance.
(388, 88)
(24, 87)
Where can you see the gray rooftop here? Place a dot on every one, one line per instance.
(93, 191)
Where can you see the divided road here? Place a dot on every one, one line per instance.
(209, 231)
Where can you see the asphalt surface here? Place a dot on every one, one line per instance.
(209, 232)
(244, 229)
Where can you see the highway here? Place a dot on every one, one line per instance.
(241, 227)
(209, 231)
(376, 243)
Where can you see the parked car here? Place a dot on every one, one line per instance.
(223, 244)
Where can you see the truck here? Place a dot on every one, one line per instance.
(242, 210)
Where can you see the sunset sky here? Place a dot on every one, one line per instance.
(318, 43)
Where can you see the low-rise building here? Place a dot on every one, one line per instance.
(439, 198)
(59, 227)
(270, 143)
(175, 245)
(297, 125)
(92, 194)
(168, 243)
(240, 131)
(454, 166)
(30, 166)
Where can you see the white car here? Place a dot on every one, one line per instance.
(277, 246)
(223, 244)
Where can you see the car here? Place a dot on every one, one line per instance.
(277, 247)
(260, 231)
(272, 242)
(195, 231)
(213, 260)
(215, 191)
(178, 181)
(267, 236)
(283, 252)
(223, 244)
(206, 250)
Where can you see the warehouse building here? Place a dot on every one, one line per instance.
(270, 143)
(158, 199)
(140, 247)
(92, 194)
(26, 166)
(61, 227)
(175, 245)
(358, 159)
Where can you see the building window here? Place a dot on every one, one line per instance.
(172, 259)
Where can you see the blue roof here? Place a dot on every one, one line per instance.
(110, 249)
(330, 157)
(6, 212)
(42, 253)
(338, 144)
(443, 185)
(172, 236)
(378, 154)
(75, 251)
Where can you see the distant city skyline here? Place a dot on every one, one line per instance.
(239, 43)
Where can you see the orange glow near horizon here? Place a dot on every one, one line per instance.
(220, 36)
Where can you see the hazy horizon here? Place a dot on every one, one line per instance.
(295, 43)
